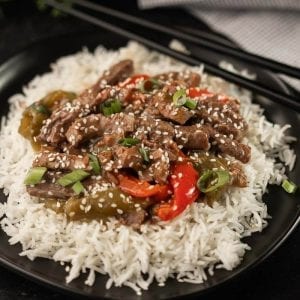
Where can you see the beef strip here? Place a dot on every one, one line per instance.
(169, 111)
(173, 150)
(112, 92)
(134, 218)
(215, 113)
(232, 103)
(192, 137)
(158, 170)
(61, 161)
(233, 148)
(108, 140)
(191, 79)
(239, 178)
(154, 129)
(105, 155)
(114, 75)
(135, 102)
(127, 157)
(121, 123)
(95, 125)
(50, 190)
(117, 73)
(227, 145)
(53, 132)
(86, 128)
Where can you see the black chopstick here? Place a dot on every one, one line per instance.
(246, 83)
(212, 37)
(201, 40)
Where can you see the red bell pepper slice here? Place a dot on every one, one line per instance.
(164, 193)
(133, 80)
(197, 92)
(141, 189)
(183, 179)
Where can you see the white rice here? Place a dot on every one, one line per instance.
(188, 248)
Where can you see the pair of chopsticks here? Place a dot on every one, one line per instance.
(190, 59)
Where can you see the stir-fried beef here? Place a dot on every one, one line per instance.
(221, 117)
(169, 111)
(50, 190)
(192, 137)
(61, 161)
(159, 168)
(155, 130)
(124, 126)
(86, 128)
(121, 123)
(95, 125)
(53, 132)
(114, 75)
(127, 157)
(191, 79)
(105, 155)
(108, 140)
(112, 92)
(134, 218)
(238, 177)
(233, 148)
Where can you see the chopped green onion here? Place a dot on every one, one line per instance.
(191, 104)
(94, 163)
(179, 98)
(107, 111)
(78, 188)
(289, 186)
(40, 108)
(35, 175)
(212, 180)
(72, 177)
(145, 154)
(116, 106)
(149, 84)
(128, 142)
(111, 107)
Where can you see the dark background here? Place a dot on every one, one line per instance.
(22, 24)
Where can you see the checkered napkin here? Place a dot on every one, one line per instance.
(268, 28)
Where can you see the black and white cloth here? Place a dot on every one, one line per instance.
(269, 28)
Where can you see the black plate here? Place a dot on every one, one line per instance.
(284, 208)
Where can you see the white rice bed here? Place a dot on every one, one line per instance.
(188, 248)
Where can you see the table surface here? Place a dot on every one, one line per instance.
(276, 278)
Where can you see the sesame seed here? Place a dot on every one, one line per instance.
(88, 208)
